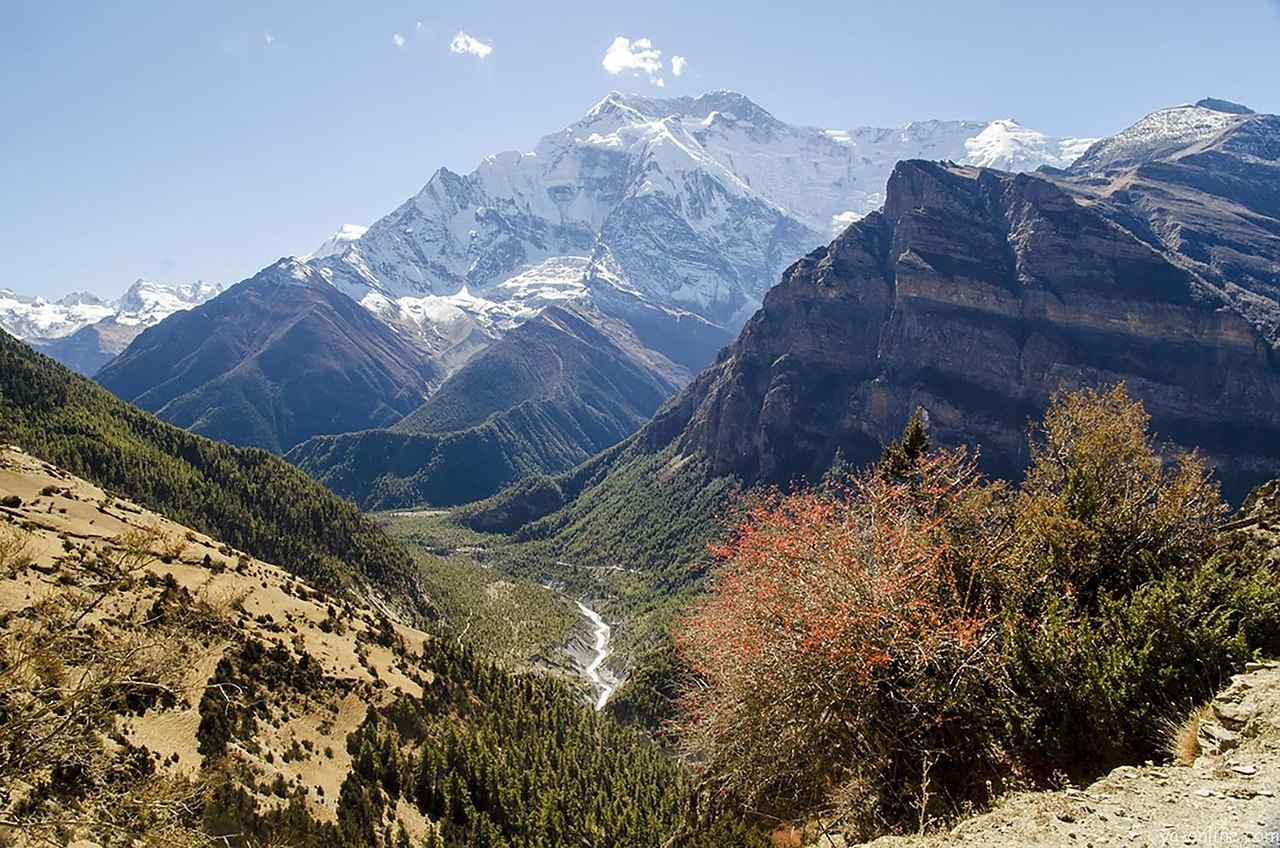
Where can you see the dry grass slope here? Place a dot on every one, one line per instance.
(89, 578)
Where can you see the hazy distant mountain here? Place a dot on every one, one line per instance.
(84, 332)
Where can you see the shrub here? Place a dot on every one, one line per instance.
(1121, 606)
(893, 648)
(844, 654)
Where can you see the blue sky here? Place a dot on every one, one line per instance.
(184, 140)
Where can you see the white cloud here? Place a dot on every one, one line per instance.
(642, 57)
(463, 43)
(398, 40)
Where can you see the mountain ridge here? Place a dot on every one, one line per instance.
(231, 369)
(548, 395)
(84, 332)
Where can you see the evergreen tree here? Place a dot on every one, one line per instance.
(900, 458)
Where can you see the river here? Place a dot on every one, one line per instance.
(603, 682)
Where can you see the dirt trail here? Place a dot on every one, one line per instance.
(1229, 796)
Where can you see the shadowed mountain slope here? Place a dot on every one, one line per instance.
(273, 361)
(548, 395)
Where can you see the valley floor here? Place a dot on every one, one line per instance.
(1228, 797)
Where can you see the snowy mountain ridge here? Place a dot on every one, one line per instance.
(691, 205)
(144, 304)
(29, 317)
(1163, 133)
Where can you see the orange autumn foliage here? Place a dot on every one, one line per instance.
(844, 655)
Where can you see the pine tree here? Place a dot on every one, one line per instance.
(898, 459)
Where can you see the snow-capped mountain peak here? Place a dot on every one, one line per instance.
(337, 242)
(1008, 146)
(688, 203)
(148, 303)
(1164, 133)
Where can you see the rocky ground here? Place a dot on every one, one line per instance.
(1229, 795)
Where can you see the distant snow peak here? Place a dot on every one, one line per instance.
(1008, 146)
(145, 303)
(337, 242)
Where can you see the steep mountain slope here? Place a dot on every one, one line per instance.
(562, 386)
(248, 498)
(84, 332)
(562, 350)
(1201, 183)
(277, 359)
(975, 294)
(672, 216)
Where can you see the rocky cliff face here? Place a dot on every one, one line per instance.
(1202, 184)
(976, 295)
